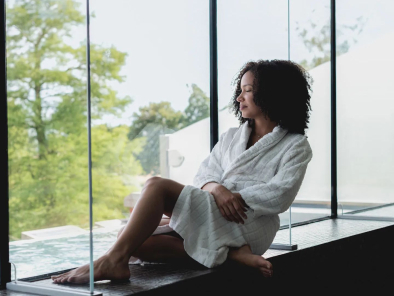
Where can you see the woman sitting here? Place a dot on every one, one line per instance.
(231, 212)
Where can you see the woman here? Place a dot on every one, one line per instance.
(253, 173)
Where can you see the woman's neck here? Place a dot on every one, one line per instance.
(263, 126)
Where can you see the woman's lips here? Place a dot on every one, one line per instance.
(242, 107)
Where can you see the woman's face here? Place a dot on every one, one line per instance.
(247, 106)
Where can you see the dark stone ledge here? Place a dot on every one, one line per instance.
(334, 256)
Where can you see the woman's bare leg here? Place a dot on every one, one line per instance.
(244, 256)
(164, 248)
(161, 247)
(158, 197)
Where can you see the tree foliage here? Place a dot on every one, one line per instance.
(318, 41)
(160, 118)
(47, 106)
(198, 107)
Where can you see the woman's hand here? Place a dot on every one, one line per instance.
(231, 205)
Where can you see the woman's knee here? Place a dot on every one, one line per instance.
(153, 181)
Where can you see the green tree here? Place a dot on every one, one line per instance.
(47, 88)
(198, 107)
(149, 123)
(160, 118)
(318, 41)
(155, 114)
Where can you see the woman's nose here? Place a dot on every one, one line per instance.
(239, 99)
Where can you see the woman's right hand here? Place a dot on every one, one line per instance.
(229, 204)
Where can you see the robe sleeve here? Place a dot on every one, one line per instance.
(277, 195)
(210, 169)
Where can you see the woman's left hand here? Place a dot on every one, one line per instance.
(241, 200)
(231, 205)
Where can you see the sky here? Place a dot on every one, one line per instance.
(167, 42)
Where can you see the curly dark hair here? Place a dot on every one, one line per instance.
(281, 90)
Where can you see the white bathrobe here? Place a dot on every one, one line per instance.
(268, 176)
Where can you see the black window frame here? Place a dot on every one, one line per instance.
(5, 268)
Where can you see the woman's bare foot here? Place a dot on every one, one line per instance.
(245, 256)
(104, 269)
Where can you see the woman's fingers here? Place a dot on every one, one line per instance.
(240, 209)
(223, 213)
(242, 201)
(234, 208)
(228, 215)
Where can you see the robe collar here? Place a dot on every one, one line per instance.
(276, 135)
(238, 150)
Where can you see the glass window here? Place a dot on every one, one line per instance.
(310, 46)
(247, 30)
(365, 106)
(48, 164)
(150, 117)
(151, 112)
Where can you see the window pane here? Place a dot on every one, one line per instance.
(365, 105)
(156, 120)
(48, 165)
(247, 30)
(310, 42)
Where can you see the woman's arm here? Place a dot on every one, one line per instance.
(231, 205)
(276, 196)
(210, 186)
(211, 169)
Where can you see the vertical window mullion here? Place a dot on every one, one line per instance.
(334, 187)
(5, 270)
(214, 120)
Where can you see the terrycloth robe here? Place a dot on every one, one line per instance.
(268, 176)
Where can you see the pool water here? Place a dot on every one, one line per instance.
(37, 257)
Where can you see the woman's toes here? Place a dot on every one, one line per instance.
(56, 276)
(59, 280)
(266, 272)
(265, 266)
(64, 279)
(265, 263)
(56, 281)
(72, 279)
(59, 276)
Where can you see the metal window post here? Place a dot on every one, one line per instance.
(334, 187)
(213, 49)
(5, 267)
